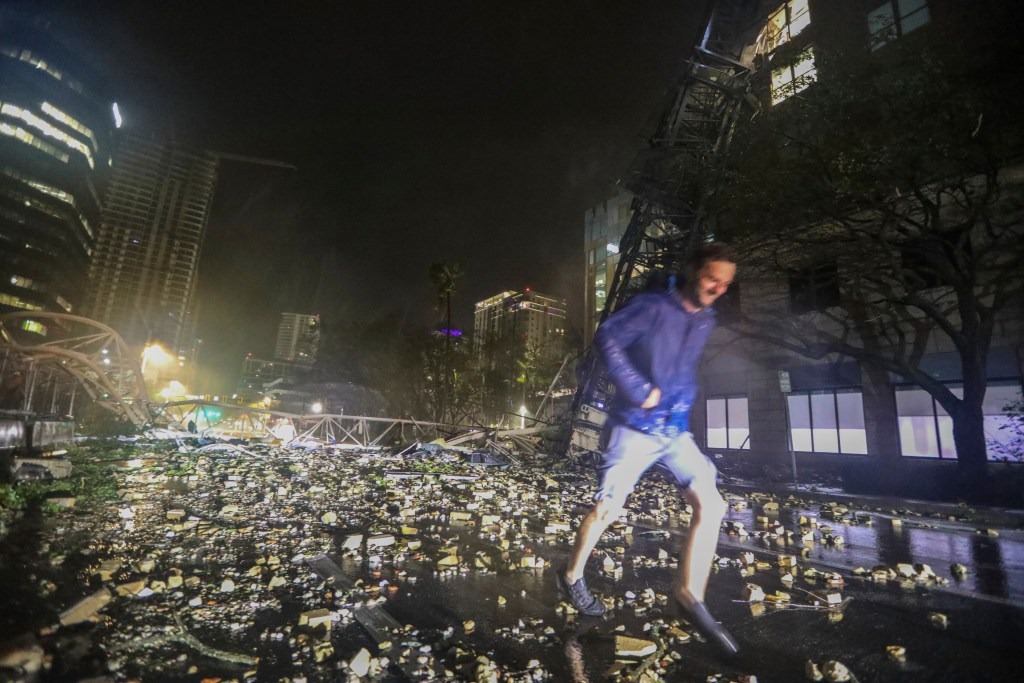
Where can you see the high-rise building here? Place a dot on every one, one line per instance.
(604, 226)
(143, 272)
(536, 318)
(55, 122)
(298, 338)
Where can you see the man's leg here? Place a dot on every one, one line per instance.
(570, 578)
(698, 475)
(699, 547)
(628, 456)
(604, 512)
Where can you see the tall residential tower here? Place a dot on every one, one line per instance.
(298, 338)
(144, 269)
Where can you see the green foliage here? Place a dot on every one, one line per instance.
(1010, 445)
(867, 133)
(11, 498)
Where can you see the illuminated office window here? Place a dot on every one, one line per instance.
(783, 24)
(828, 421)
(926, 429)
(16, 302)
(728, 423)
(33, 326)
(28, 138)
(789, 79)
(48, 129)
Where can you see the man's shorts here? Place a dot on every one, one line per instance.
(631, 453)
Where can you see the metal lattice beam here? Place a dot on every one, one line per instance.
(94, 354)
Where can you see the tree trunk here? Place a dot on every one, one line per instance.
(969, 438)
(969, 418)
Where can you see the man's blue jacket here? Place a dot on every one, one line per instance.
(654, 342)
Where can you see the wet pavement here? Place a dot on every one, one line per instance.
(208, 557)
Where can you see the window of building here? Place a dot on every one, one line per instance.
(926, 429)
(16, 302)
(34, 326)
(23, 135)
(46, 128)
(814, 289)
(27, 283)
(829, 421)
(793, 77)
(895, 18)
(785, 23)
(728, 423)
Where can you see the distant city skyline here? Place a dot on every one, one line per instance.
(486, 153)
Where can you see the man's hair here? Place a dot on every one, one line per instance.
(662, 280)
(705, 254)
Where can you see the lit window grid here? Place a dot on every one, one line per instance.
(830, 421)
(52, 191)
(23, 282)
(18, 302)
(48, 129)
(70, 122)
(789, 79)
(19, 133)
(34, 326)
(34, 60)
(53, 213)
(728, 423)
(926, 429)
(784, 24)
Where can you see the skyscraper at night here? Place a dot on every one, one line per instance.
(55, 121)
(298, 337)
(143, 272)
(534, 317)
(604, 226)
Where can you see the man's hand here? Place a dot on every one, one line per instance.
(653, 398)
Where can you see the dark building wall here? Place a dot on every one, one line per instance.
(743, 367)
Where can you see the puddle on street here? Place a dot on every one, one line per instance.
(994, 565)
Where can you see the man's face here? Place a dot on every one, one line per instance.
(712, 281)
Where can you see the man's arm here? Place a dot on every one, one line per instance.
(613, 337)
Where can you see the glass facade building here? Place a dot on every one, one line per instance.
(55, 125)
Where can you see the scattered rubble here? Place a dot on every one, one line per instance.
(283, 563)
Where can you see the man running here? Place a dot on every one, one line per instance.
(652, 349)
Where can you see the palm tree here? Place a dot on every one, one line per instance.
(443, 275)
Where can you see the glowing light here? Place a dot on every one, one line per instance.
(317, 407)
(117, 116)
(174, 389)
(48, 129)
(154, 354)
(612, 247)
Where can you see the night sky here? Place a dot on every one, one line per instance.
(476, 132)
